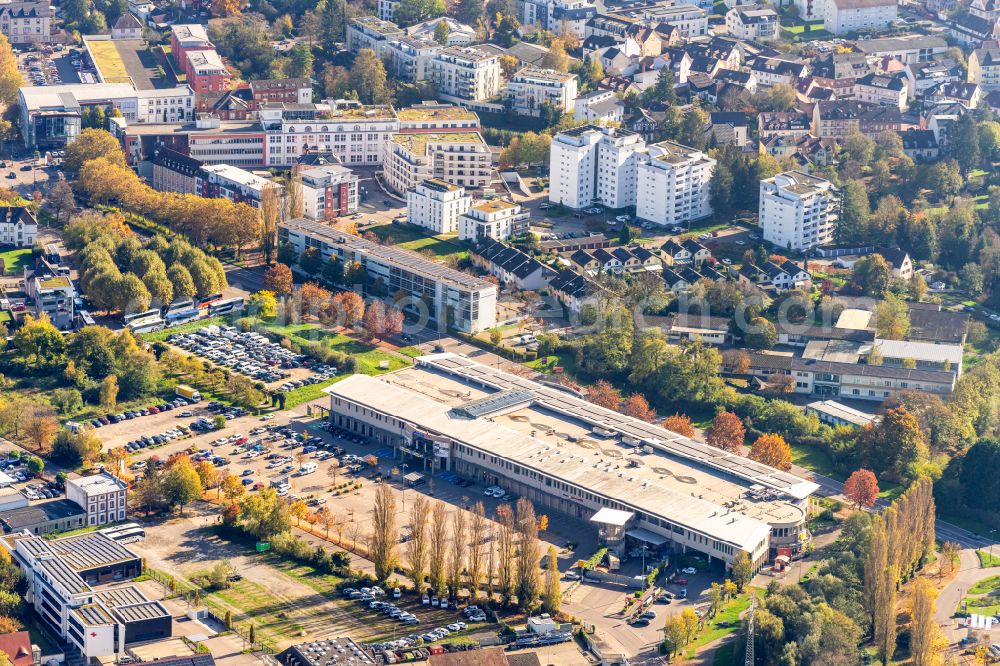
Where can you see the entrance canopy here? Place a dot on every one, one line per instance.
(613, 517)
(646, 536)
(413, 479)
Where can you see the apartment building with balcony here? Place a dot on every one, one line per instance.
(758, 24)
(26, 22)
(225, 181)
(673, 184)
(369, 32)
(459, 158)
(430, 117)
(984, 66)
(328, 191)
(437, 205)
(532, 88)
(594, 164)
(882, 89)
(798, 211)
(409, 58)
(496, 219)
(466, 73)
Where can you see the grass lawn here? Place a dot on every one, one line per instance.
(15, 260)
(713, 632)
(250, 602)
(547, 364)
(814, 459)
(369, 357)
(987, 560)
(412, 352)
(308, 393)
(40, 635)
(323, 583)
(160, 336)
(84, 530)
(411, 237)
(986, 585)
(725, 655)
(993, 609)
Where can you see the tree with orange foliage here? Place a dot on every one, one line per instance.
(638, 407)
(314, 298)
(349, 307)
(772, 449)
(278, 278)
(604, 394)
(726, 432)
(393, 324)
(224, 8)
(679, 423)
(861, 488)
(374, 319)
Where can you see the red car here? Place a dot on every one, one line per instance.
(153, 410)
(258, 486)
(680, 581)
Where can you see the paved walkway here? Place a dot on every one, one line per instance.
(968, 575)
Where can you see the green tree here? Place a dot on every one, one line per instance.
(368, 78)
(760, 334)
(131, 295)
(963, 143)
(333, 19)
(854, 215)
(181, 484)
(311, 260)
(892, 318)
(409, 12)
(37, 340)
(873, 275)
(552, 594)
(91, 144)
(742, 570)
(441, 32)
(894, 445)
(181, 281)
(300, 63)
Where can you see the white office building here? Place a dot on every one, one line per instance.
(428, 289)
(496, 219)
(591, 164)
(798, 211)
(436, 205)
(532, 88)
(409, 58)
(101, 495)
(673, 185)
(466, 73)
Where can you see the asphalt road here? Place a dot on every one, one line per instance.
(944, 530)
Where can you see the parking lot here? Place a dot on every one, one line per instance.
(252, 355)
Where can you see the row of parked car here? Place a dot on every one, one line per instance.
(250, 354)
(322, 372)
(170, 435)
(176, 403)
(37, 491)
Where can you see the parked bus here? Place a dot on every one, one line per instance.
(225, 307)
(123, 529)
(182, 316)
(85, 318)
(130, 536)
(186, 304)
(208, 300)
(140, 315)
(148, 325)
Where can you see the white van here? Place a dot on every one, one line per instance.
(308, 468)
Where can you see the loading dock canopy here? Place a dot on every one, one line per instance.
(613, 517)
(652, 538)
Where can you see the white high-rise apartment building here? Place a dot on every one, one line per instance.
(466, 73)
(437, 204)
(673, 185)
(797, 211)
(591, 164)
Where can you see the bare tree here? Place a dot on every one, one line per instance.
(438, 547)
(385, 535)
(478, 531)
(506, 546)
(528, 554)
(416, 547)
(332, 469)
(459, 546)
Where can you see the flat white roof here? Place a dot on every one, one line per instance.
(43, 97)
(841, 411)
(920, 351)
(5, 480)
(98, 484)
(607, 516)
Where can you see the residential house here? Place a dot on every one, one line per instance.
(772, 71)
(572, 289)
(729, 127)
(794, 124)
(843, 16)
(759, 24)
(497, 219)
(510, 265)
(837, 119)
(984, 66)
(437, 205)
(686, 252)
(18, 226)
(920, 145)
(967, 94)
(882, 90)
